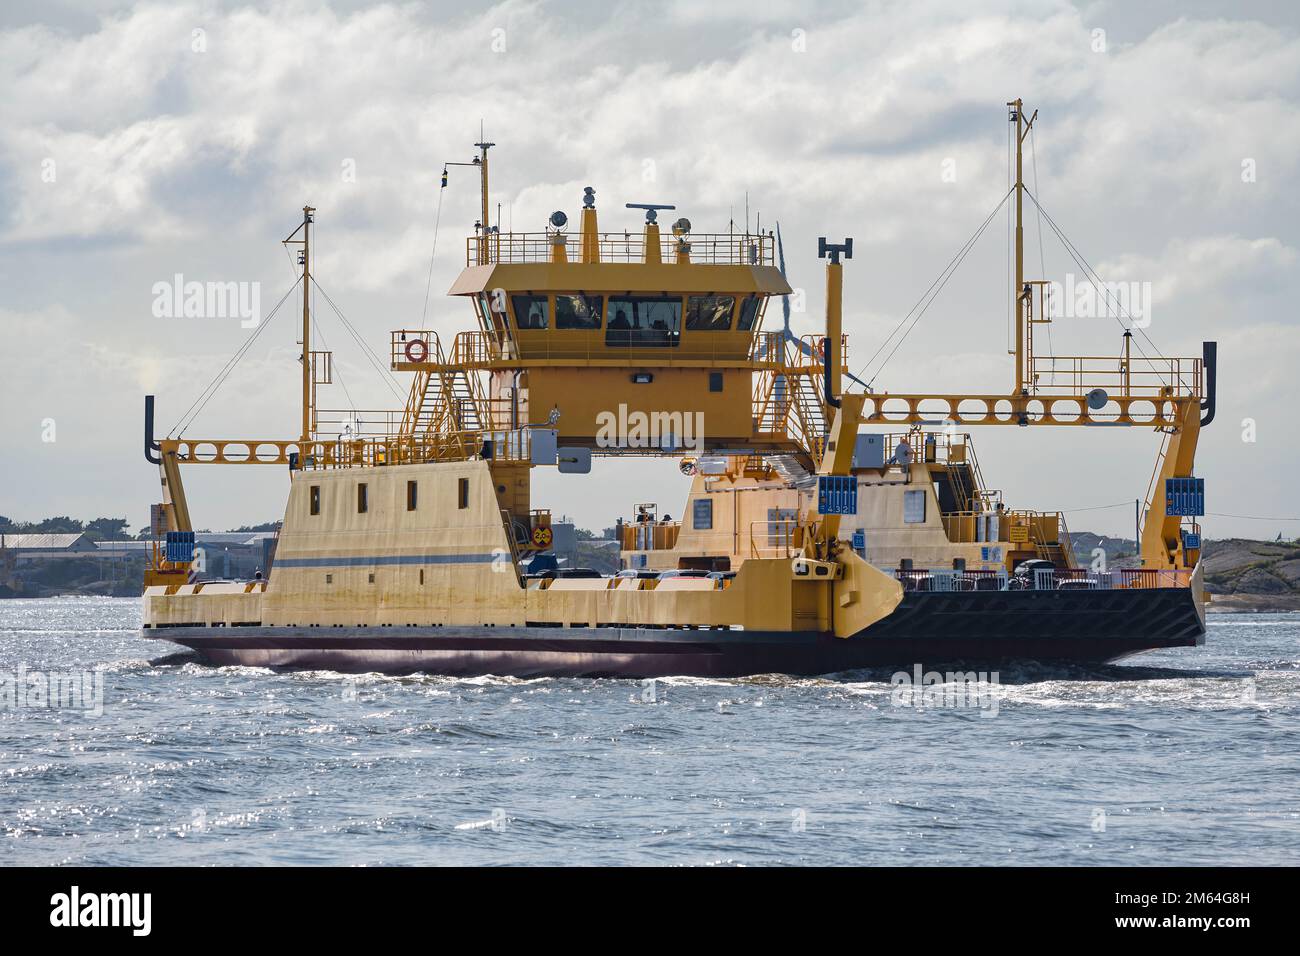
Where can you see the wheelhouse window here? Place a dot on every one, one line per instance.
(644, 321)
(531, 311)
(493, 310)
(702, 514)
(748, 313)
(709, 313)
(578, 311)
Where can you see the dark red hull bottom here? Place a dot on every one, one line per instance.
(927, 628)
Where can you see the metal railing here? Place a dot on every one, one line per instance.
(1120, 578)
(1045, 579)
(408, 346)
(787, 397)
(499, 445)
(704, 248)
(1041, 528)
(780, 537)
(412, 350)
(650, 535)
(350, 423)
(953, 450)
(947, 579)
(473, 347)
(1154, 378)
(773, 347)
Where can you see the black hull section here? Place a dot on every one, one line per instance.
(926, 628)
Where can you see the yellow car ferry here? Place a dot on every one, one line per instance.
(826, 527)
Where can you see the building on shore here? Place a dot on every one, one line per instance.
(34, 547)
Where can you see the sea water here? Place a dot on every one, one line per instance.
(1187, 756)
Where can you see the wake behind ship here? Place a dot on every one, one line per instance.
(827, 527)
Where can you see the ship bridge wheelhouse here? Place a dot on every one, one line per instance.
(631, 320)
(611, 344)
(619, 313)
(575, 328)
(630, 325)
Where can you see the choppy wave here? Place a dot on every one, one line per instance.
(1186, 756)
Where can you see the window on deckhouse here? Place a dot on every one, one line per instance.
(578, 311)
(709, 313)
(644, 321)
(530, 311)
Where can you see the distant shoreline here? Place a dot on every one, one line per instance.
(1253, 603)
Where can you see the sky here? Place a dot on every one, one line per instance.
(139, 141)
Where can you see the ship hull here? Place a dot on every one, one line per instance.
(927, 628)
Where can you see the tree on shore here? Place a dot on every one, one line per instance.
(101, 529)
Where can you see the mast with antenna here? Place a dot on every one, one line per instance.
(304, 260)
(1019, 292)
(483, 146)
(481, 161)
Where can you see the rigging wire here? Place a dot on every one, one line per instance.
(1118, 504)
(1095, 280)
(293, 267)
(939, 282)
(1217, 514)
(1042, 262)
(428, 283)
(1090, 274)
(320, 331)
(219, 379)
(204, 396)
(1006, 276)
(1211, 514)
(384, 373)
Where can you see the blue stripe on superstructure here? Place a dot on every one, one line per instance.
(352, 561)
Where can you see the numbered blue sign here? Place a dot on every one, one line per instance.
(1185, 497)
(837, 495)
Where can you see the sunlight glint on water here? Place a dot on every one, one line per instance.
(1184, 756)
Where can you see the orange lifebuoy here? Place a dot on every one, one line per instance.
(541, 537)
(414, 346)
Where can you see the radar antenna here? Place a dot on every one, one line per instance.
(651, 209)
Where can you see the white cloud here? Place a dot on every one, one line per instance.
(174, 160)
(1228, 266)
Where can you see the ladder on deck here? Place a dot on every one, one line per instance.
(1061, 551)
(445, 401)
(808, 406)
(962, 483)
